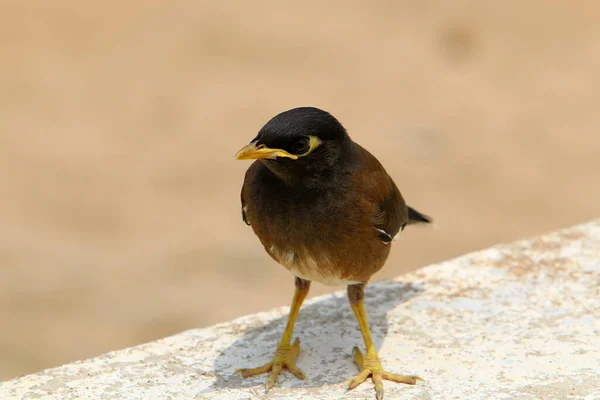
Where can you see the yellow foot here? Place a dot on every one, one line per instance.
(285, 357)
(370, 365)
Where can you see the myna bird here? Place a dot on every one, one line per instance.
(326, 209)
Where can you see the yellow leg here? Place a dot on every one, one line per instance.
(369, 364)
(286, 353)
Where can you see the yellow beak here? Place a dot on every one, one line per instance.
(254, 152)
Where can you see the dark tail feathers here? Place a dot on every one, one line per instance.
(415, 217)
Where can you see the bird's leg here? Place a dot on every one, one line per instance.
(369, 364)
(286, 353)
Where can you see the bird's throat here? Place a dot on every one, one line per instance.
(297, 176)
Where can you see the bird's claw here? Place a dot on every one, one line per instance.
(285, 358)
(370, 366)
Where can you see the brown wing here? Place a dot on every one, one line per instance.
(248, 180)
(390, 213)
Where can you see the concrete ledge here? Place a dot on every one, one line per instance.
(518, 321)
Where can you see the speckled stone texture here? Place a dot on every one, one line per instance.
(517, 321)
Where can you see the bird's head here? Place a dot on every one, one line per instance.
(302, 141)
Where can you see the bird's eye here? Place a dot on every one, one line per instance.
(300, 146)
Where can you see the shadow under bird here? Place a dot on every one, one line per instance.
(324, 208)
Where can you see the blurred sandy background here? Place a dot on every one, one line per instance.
(119, 195)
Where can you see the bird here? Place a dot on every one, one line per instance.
(324, 208)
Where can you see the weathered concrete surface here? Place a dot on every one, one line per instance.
(519, 321)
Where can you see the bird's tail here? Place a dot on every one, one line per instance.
(415, 217)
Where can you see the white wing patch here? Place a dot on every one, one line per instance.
(383, 236)
(244, 217)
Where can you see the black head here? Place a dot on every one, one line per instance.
(294, 124)
(301, 141)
